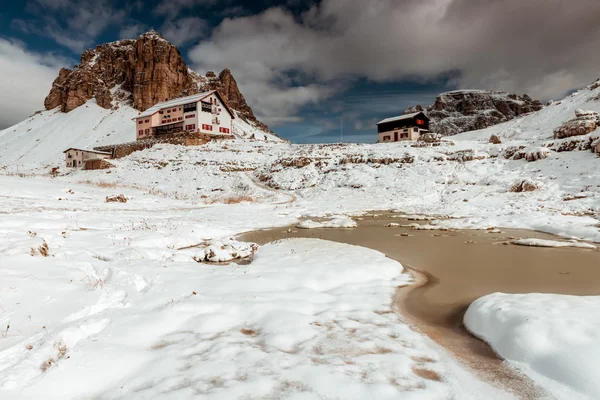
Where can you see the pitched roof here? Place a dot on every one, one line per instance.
(87, 151)
(181, 101)
(401, 117)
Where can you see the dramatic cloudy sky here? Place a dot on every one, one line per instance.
(304, 65)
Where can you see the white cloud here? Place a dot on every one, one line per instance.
(27, 79)
(540, 47)
(132, 31)
(184, 30)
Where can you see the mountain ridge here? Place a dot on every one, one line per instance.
(466, 110)
(140, 72)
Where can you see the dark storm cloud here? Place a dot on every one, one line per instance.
(544, 47)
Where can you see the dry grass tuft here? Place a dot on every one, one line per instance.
(105, 185)
(42, 250)
(232, 200)
(61, 350)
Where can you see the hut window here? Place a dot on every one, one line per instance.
(420, 122)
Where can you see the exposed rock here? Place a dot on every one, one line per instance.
(532, 154)
(526, 185)
(583, 123)
(120, 198)
(428, 139)
(143, 72)
(467, 110)
(495, 139)
(578, 143)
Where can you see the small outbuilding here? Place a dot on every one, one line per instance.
(77, 158)
(403, 127)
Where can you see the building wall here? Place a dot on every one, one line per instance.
(217, 122)
(403, 134)
(76, 158)
(143, 126)
(208, 120)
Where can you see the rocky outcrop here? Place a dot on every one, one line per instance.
(467, 110)
(143, 72)
(584, 122)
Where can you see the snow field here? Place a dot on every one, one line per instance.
(113, 309)
(553, 338)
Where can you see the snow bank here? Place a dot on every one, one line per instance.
(551, 243)
(552, 338)
(342, 222)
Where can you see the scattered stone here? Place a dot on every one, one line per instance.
(526, 185)
(116, 199)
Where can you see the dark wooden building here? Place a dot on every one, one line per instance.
(403, 127)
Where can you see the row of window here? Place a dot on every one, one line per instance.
(145, 121)
(169, 110)
(189, 127)
(166, 121)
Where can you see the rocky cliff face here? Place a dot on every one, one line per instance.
(143, 72)
(468, 110)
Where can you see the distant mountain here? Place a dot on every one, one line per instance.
(467, 110)
(140, 72)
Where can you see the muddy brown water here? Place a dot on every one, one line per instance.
(452, 269)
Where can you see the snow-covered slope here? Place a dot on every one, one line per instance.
(40, 140)
(538, 127)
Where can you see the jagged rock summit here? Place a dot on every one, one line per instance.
(467, 110)
(143, 72)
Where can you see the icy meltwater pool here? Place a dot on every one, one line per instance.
(454, 268)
